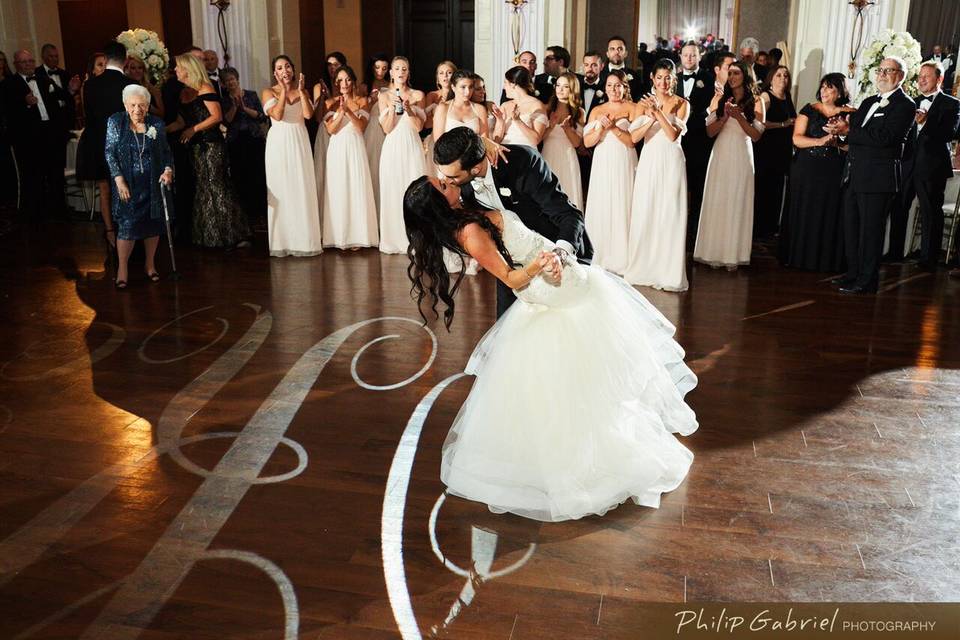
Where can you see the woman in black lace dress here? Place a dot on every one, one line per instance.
(218, 220)
(812, 233)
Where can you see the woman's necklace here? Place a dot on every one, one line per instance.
(140, 146)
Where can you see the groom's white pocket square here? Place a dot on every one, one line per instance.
(506, 193)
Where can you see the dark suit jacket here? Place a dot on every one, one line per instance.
(876, 148)
(23, 120)
(696, 143)
(543, 83)
(597, 100)
(535, 196)
(103, 97)
(637, 85)
(931, 152)
(67, 110)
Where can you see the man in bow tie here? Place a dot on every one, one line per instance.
(926, 167)
(51, 70)
(876, 134)
(31, 104)
(696, 85)
(523, 184)
(591, 95)
(211, 62)
(616, 57)
(555, 62)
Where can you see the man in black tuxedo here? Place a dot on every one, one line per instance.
(591, 95)
(696, 85)
(938, 116)
(31, 106)
(523, 184)
(51, 70)
(103, 97)
(616, 54)
(555, 62)
(211, 62)
(748, 54)
(876, 134)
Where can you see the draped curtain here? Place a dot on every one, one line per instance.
(681, 16)
(934, 22)
(238, 20)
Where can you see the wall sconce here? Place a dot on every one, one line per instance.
(222, 6)
(856, 36)
(516, 23)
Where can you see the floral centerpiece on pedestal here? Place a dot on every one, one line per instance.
(889, 43)
(147, 46)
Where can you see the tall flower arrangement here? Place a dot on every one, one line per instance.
(147, 46)
(889, 43)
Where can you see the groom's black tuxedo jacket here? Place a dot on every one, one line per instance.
(527, 187)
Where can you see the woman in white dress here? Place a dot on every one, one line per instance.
(460, 111)
(321, 93)
(479, 96)
(441, 94)
(293, 214)
(350, 213)
(524, 120)
(725, 235)
(610, 193)
(376, 79)
(526, 440)
(564, 135)
(658, 218)
(401, 160)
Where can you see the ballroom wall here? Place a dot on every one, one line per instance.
(765, 20)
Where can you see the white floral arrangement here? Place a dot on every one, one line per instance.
(147, 46)
(884, 44)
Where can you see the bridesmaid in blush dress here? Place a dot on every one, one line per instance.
(524, 119)
(401, 159)
(735, 119)
(610, 193)
(350, 213)
(564, 135)
(293, 215)
(658, 219)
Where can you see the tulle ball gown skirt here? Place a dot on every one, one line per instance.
(553, 432)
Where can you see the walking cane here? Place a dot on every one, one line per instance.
(166, 220)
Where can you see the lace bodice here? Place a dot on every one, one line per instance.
(524, 245)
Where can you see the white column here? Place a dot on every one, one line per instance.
(249, 55)
(649, 18)
(493, 44)
(822, 34)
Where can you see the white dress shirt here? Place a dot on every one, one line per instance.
(876, 105)
(688, 82)
(54, 77)
(925, 104)
(35, 90)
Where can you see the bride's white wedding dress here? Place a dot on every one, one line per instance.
(579, 388)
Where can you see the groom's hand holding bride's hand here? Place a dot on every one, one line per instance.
(551, 266)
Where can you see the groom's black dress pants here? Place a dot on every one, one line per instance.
(505, 298)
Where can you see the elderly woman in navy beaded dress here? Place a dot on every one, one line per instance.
(139, 159)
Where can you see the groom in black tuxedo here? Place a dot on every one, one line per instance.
(523, 184)
(876, 134)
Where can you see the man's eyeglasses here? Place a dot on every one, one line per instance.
(887, 71)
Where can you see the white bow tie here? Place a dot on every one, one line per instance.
(616, 67)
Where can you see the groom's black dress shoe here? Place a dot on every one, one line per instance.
(841, 281)
(856, 289)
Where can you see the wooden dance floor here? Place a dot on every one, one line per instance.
(253, 452)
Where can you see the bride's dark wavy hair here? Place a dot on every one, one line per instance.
(432, 226)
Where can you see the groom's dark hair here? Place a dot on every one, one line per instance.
(460, 144)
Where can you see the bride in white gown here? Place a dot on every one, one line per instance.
(531, 440)
(293, 214)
